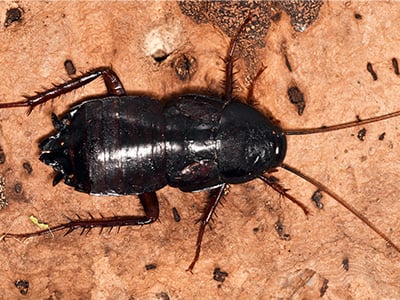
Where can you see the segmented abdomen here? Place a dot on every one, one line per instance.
(118, 145)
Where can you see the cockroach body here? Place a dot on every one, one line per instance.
(135, 145)
(130, 145)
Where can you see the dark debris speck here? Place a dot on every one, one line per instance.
(18, 188)
(69, 67)
(22, 285)
(219, 275)
(371, 70)
(2, 156)
(316, 197)
(28, 168)
(395, 65)
(297, 98)
(345, 263)
(361, 134)
(185, 66)
(176, 215)
(324, 287)
(13, 15)
(151, 267)
(287, 63)
(280, 230)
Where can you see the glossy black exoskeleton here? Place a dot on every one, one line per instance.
(124, 145)
(135, 145)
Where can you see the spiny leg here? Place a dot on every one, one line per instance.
(215, 197)
(229, 63)
(111, 80)
(150, 205)
(251, 100)
(281, 190)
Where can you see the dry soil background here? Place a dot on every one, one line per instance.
(329, 65)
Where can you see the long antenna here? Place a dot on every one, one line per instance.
(339, 126)
(341, 201)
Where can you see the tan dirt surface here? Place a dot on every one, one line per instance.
(329, 64)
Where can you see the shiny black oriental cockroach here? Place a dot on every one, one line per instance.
(135, 145)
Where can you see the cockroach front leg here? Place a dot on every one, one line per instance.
(111, 80)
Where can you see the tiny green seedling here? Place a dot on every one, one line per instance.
(36, 221)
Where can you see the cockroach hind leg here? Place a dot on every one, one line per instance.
(111, 80)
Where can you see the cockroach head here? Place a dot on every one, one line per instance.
(55, 151)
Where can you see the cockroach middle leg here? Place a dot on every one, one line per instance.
(148, 200)
(111, 80)
(215, 197)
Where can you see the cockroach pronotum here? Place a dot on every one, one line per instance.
(135, 145)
